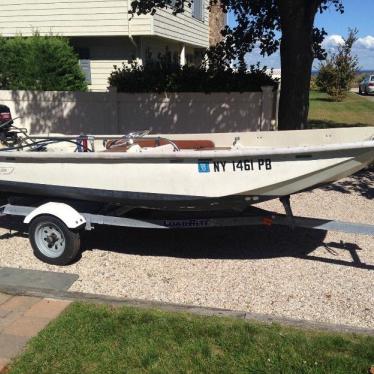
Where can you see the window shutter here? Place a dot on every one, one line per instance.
(198, 9)
(85, 63)
(86, 69)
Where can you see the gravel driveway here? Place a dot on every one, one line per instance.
(313, 275)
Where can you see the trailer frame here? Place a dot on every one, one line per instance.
(74, 221)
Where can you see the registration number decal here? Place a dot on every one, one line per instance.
(245, 165)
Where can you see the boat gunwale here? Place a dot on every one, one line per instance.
(189, 154)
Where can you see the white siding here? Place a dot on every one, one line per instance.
(140, 25)
(69, 17)
(100, 72)
(104, 27)
(104, 54)
(107, 52)
(98, 18)
(183, 27)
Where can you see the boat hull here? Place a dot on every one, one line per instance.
(191, 180)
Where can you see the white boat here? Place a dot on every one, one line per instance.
(61, 192)
(185, 171)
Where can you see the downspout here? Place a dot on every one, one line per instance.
(138, 48)
(129, 29)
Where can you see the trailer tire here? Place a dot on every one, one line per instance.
(52, 241)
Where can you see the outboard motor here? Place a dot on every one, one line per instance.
(7, 136)
(5, 117)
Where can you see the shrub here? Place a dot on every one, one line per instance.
(313, 83)
(46, 63)
(337, 74)
(166, 75)
(358, 79)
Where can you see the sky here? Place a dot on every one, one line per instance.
(358, 13)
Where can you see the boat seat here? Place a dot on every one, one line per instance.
(152, 143)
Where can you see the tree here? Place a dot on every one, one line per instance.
(258, 22)
(339, 70)
(46, 63)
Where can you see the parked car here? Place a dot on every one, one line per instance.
(366, 87)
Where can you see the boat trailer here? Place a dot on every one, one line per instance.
(54, 227)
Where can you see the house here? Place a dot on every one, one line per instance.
(104, 34)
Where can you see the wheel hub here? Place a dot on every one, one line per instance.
(50, 240)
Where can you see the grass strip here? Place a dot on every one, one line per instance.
(353, 111)
(102, 339)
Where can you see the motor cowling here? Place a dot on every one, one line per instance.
(5, 118)
(7, 136)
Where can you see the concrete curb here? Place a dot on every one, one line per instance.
(203, 311)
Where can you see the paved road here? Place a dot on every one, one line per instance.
(368, 97)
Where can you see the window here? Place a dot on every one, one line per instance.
(198, 9)
(372, 78)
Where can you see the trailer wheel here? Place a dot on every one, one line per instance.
(52, 241)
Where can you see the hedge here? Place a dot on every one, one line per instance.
(46, 63)
(158, 77)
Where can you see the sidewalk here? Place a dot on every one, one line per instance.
(21, 318)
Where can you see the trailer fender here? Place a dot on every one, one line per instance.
(71, 218)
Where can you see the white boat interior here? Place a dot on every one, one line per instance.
(146, 142)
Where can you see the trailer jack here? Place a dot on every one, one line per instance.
(285, 200)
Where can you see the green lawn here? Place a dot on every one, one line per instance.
(354, 110)
(93, 339)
